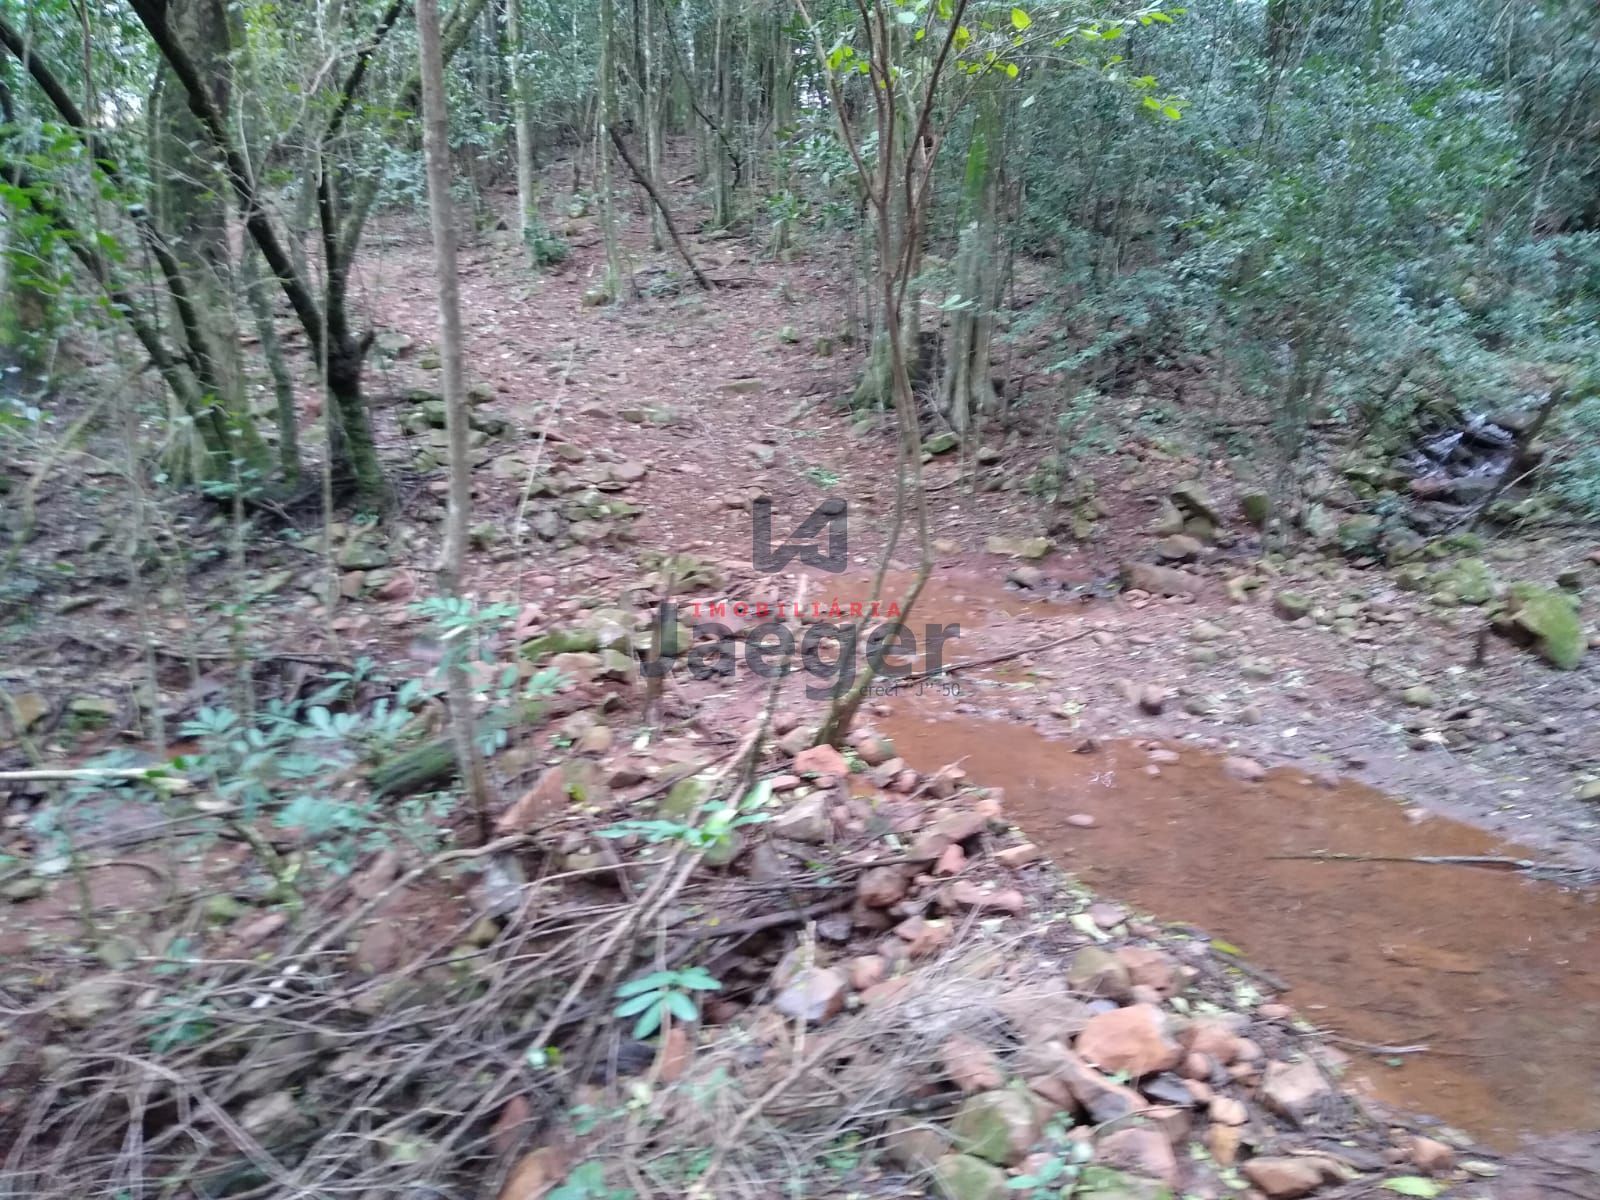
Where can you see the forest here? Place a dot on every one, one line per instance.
(620, 598)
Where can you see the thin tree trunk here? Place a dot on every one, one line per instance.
(528, 224)
(260, 304)
(436, 147)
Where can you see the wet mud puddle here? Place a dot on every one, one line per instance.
(1496, 975)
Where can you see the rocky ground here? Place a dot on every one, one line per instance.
(909, 999)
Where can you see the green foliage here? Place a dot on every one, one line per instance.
(653, 997)
(708, 829)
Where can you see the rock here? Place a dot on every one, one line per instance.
(970, 1065)
(1469, 581)
(1159, 581)
(1000, 1126)
(1547, 620)
(1430, 1156)
(1082, 821)
(1144, 1152)
(1098, 1182)
(1295, 1091)
(941, 443)
(95, 709)
(874, 750)
(26, 709)
(1151, 968)
(865, 970)
(18, 891)
(1223, 1143)
(1015, 857)
(1256, 507)
(1180, 547)
(1191, 498)
(882, 886)
(1132, 1039)
(963, 1177)
(952, 862)
(923, 937)
(814, 995)
(914, 1146)
(1285, 1178)
(1103, 1099)
(804, 820)
(1225, 1110)
(1206, 631)
(1291, 606)
(1152, 699)
(821, 760)
(1420, 695)
(1019, 547)
(85, 1002)
(1245, 770)
(535, 1174)
(1169, 520)
(1031, 578)
(966, 895)
(1097, 972)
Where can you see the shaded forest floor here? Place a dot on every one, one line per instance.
(664, 416)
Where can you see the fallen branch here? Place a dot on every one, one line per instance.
(649, 186)
(1492, 861)
(156, 775)
(993, 659)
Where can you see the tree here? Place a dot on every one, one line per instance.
(452, 563)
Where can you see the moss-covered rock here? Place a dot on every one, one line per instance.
(1470, 581)
(1548, 621)
(1000, 1126)
(962, 1177)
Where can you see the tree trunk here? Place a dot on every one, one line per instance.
(436, 147)
(192, 211)
(616, 269)
(968, 392)
(260, 303)
(529, 227)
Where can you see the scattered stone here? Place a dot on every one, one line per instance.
(1245, 770)
(1097, 972)
(821, 760)
(941, 443)
(804, 820)
(1280, 1177)
(1295, 1091)
(1019, 547)
(1031, 578)
(1431, 1156)
(1015, 857)
(1000, 1126)
(815, 995)
(19, 891)
(865, 970)
(1103, 1099)
(970, 1065)
(874, 750)
(1191, 498)
(952, 862)
(1159, 581)
(1107, 915)
(1082, 821)
(1152, 699)
(27, 709)
(963, 1177)
(1145, 1152)
(85, 1002)
(1180, 547)
(1291, 606)
(1225, 1110)
(1155, 969)
(268, 1118)
(1132, 1039)
(964, 894)
(1420, 695)
(1257, 508)
(914, 1146)
(923, 936)
(1205, 631)
(881, 887)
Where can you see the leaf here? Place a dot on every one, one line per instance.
(1412, 1185)
(1020, 19)
(682, 1007)
(636, 1005)
(1011, 70)
(652, 982)
(649, 1023)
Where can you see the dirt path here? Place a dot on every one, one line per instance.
(722, 396)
